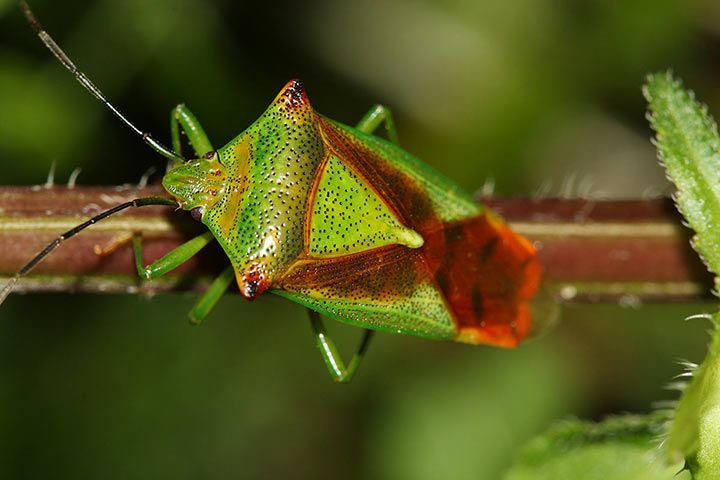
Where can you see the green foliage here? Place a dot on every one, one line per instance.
(618, 448)
(626, 447)
(688, 146)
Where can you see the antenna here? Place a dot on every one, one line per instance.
(90, 86)
(138, 202)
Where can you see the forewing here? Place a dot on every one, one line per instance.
(470, 279)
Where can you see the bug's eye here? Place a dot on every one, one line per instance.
(197, 213)
(209, 155)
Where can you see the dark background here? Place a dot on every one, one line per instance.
(531, 95)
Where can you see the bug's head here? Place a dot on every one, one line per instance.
(197, 184)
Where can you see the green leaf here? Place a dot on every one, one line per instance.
(620, 448)
(688, 144)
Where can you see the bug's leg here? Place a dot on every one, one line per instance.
(177, 257)
(334, 362)
(172, 259)
(182, 117)
(379, 114)
(113, 245)
(211, 296)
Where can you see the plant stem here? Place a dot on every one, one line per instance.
(628, 251)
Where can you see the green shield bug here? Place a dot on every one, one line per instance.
(338, 220)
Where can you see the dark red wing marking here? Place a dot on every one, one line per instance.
(381, 273)
(487, 274)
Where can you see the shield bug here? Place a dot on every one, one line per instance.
(338, 220)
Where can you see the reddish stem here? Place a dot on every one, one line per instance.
(590, 250)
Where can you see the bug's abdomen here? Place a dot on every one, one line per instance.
(487, 274)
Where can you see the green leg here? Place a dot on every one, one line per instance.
(334, 362)
(171, 260)
(211, 296)
(379, 114)
(182, 117)
(177, 257)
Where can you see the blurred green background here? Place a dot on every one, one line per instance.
(533, 95)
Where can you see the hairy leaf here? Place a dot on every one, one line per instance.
(688, 144)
